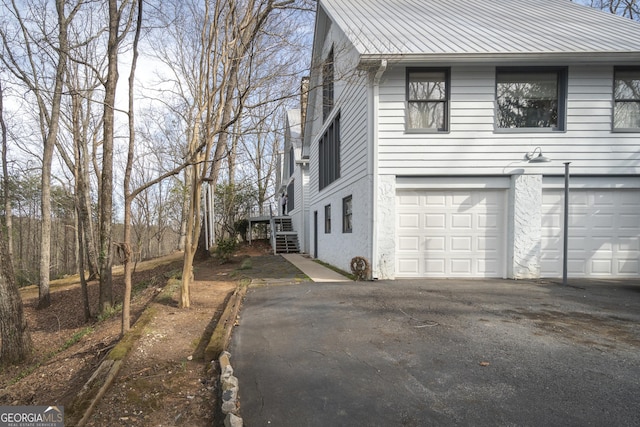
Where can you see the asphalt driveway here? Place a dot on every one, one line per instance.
(448, 352)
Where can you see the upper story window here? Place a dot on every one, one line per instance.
(531, 98)
(626, 94)
(328, 76)
(428, 99)
(292, 161)
(329, 154)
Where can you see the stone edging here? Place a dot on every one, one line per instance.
(218, 346)
(229, 386)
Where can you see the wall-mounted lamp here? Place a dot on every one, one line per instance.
(540, 158)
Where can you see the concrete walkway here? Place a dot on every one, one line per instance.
(316, 272)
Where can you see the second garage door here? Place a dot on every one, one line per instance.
(450, 233)
(604, 233)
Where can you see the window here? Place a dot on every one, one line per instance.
(626, 94)
(347, 215)
(428, 99)
(329, 154)
(327, 85)
(327, 219)
(292, 161)
(291, 196)
(531, 98)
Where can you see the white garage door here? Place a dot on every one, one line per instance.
(604, 233)
(450, 233)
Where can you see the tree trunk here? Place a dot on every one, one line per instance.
(80, 173)
(44, 299)
(106, 191)
(16, 340)
(8, 216)
(128, 197)
(83, 280)
(192, 237)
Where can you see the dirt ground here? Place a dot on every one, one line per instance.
(163, 381)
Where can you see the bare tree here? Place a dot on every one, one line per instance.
(6, 192)
(15, 344)
(16, 339)
(116, 37)
(49, 109)
(627, 8)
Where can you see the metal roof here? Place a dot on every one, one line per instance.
(450, 27)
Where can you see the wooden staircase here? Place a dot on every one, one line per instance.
(286, 240)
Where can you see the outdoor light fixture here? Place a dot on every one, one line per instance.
(540, 158)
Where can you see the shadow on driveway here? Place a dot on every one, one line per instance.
(440, 352)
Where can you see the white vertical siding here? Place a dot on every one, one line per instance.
(472, 146)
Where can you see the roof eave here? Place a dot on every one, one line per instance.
(626, 57)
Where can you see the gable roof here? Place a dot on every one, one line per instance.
(481, 27)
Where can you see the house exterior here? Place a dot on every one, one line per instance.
(422, 118)
(293, 178)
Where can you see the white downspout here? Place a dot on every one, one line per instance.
(375, 101)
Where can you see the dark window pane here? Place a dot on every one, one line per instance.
(527, 100)
(427, 115)
(427, 86)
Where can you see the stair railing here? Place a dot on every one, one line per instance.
(272, 223)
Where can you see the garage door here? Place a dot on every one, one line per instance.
(450, 233)
(604, 233)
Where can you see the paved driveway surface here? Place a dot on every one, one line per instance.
(420, 353)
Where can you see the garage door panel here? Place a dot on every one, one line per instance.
(601, 267)
(460, 231)
(602, 221)
(602, 200)
(409, 243)
(461, 244)
(435, 200)
(435, 221)
(487, 221)
(604, 233)
(462, 200)
(488, 244)
(461, 221)
(411, 221)
(408, 266)
(628, 266)
(629, 223)
(435, 243)
(489, 267)
(409, 199)
(628, 244)
(579, 200)
(461, 267)
(601, 244)
(436, 265)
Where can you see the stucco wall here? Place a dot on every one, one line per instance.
(525, 226)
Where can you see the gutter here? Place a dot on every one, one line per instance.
(375, 103)
(499, 58)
